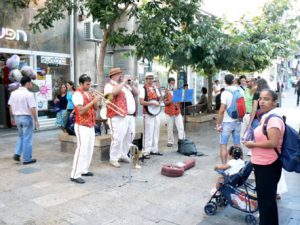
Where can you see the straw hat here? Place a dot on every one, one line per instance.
(115, 71)
(149, 74)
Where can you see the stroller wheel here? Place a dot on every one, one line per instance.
(210, 208)
(250, 219)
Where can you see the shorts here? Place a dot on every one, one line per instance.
(228, 128)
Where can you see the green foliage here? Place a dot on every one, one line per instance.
(160, 26)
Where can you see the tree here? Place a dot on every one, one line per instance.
(273, 34)
(211, 44)
(157, 23)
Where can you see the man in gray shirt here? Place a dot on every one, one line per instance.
(22, 107)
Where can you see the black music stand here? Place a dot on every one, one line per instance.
(129, 179)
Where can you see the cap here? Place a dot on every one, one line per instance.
(115, 71)
(149, 74)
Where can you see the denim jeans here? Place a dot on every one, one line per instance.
(25, 130)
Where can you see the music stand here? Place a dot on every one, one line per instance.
(181, 95)
(129, 179)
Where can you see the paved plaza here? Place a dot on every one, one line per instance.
(42, 193)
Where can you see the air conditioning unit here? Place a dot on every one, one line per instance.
(92, 32)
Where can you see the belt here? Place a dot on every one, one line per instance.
(130, 114)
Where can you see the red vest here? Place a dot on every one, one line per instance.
(88, 118)
(151, 95)
(173, 109)
(120, 101)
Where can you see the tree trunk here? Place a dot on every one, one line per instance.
(209, 94)
(101, 58)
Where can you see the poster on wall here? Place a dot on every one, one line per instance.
(45, 93)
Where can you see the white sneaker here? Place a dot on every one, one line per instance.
(114, 163)
(124, 159)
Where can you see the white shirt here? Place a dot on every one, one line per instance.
(131, 106)
(77, 98)
(226, 98)
(235, 166)
(21, 102)
(242, 90)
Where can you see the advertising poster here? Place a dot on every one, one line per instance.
(45, 92)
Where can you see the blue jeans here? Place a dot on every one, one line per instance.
(25, 130)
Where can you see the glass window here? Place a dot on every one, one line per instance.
(52, 73)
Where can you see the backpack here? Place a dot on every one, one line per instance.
(188, 147)
(290, 150)
(237, 109)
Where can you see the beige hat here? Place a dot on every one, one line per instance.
(149, 74)
(115, 71)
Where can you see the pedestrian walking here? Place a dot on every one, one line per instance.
(22, 107)
(85, 104)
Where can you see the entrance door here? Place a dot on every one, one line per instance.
(25, 60)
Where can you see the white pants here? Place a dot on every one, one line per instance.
(122, 135)
(179, 125)
(281, 186)
(151, 133)
(84, 150)
(245, 124)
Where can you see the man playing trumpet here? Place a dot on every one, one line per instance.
(85, 105)
(120, 114)
(149, 96)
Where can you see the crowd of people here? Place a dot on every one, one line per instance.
(124, 94)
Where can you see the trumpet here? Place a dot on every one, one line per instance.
(107, 100)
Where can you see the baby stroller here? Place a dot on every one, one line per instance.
(230, 192)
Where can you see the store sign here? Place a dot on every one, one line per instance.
(53, 60)
(13, 35)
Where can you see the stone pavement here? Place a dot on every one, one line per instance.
(42, 193)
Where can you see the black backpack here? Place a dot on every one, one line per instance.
(188, 147)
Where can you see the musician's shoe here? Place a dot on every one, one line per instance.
(115, 163)
(156, 153)
(145, 156)
(169, 145)
(16, 157)
(88, 174)
(29, 162)
(78, 180)
(124, 159)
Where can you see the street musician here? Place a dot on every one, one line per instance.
(85, 105)
(120, 114)
(173, 114)
(149, 99)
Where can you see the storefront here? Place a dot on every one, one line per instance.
(47, 52)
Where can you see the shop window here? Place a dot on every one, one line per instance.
(52, 73)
